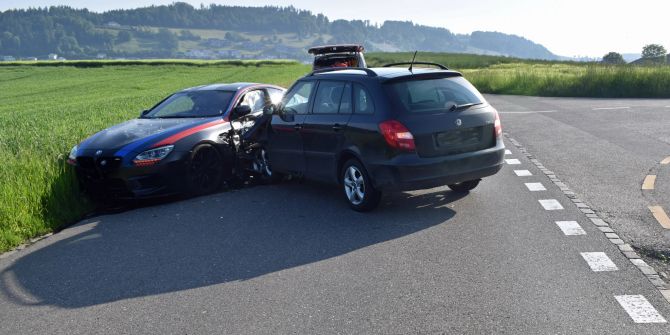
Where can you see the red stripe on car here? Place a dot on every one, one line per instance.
(178, 136)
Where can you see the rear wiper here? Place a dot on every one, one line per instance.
(463, 106)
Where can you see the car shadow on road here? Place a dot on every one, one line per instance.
(226, 237)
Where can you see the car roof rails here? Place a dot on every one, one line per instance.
(442, 67)
(367, 71)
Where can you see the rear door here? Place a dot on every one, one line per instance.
(285, 145)
(323, 129)
(447, 116)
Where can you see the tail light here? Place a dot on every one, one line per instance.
(397, 135)
(497, 126)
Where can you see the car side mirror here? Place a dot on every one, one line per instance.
(144, 112)
(270, 109)
(239, 112)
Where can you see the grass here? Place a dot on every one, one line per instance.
(46, 110)
(47, 107)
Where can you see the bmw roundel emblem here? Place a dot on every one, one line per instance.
(98, 153)
(459, 122)
(103, 163)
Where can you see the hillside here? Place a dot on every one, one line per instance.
(215, 32)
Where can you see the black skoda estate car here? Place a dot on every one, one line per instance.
(381, 129)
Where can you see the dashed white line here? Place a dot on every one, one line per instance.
(609, 108)
(570, 228)
(639, 309)
(551, 204)
(599, 262)
(513, 161)
(535, 187)
(508, 152)
(523, 173)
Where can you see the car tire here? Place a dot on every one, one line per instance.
(357, 187)
(261, 165)
(464, 187)
(205, 170)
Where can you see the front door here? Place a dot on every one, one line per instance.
(285, 146)
(323, 129)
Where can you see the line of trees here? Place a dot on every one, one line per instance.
(651, 54)
(68, 31)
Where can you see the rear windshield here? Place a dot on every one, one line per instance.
(435, 95)
(335, 60)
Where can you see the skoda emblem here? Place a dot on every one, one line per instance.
(98, 153)
(459, 122)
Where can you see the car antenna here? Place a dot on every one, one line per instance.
(411, 65)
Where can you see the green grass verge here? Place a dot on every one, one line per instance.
(47, 110)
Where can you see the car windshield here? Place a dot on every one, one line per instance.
(436, 95)
(192, 104)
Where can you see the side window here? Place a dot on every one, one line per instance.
(297, 100)
(255, 100)
(363, 100)
(328, 97)
(345, 105)
(275, 95)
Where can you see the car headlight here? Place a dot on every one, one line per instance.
(153, 156)
(72, 157)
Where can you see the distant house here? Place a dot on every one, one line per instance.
(101, 56)
(52, 57)
(112, 24)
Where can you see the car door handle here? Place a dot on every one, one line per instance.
(337, 127)
(297, 127)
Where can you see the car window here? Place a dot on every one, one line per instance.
(275, 95)
(328, 97)
(363, 100)
(431, 95)
(345, 104)
(297, 100)
(192, 104)
(255, 100)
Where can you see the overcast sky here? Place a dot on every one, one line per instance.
(566, 27)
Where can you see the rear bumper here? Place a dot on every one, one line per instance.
(411, 172)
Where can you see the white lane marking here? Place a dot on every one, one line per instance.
(551, 204)
(508, 152)
(609, 108)
(512, 161)
(523, 173)
(535, 187)
(598, 261)
(527, 112)
(570, 228)
(639, 309)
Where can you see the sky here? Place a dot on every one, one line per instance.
(567, 28)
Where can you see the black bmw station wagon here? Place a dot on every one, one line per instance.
(371, 130)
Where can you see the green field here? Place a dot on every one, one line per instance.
(46, 110)
(47, 107)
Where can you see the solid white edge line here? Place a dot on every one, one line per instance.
(609, 108)
(535, 187)
(639, 309)
(599, 262)
(571, 228)
(551, 204)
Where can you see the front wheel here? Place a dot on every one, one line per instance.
(261, 166)
(357, 186)
(465, 186)
(205, 170)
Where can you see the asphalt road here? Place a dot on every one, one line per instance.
(604, 149)
(292, 258)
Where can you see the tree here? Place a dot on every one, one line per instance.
(123, 36)
(653, 51)
(613, 58)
